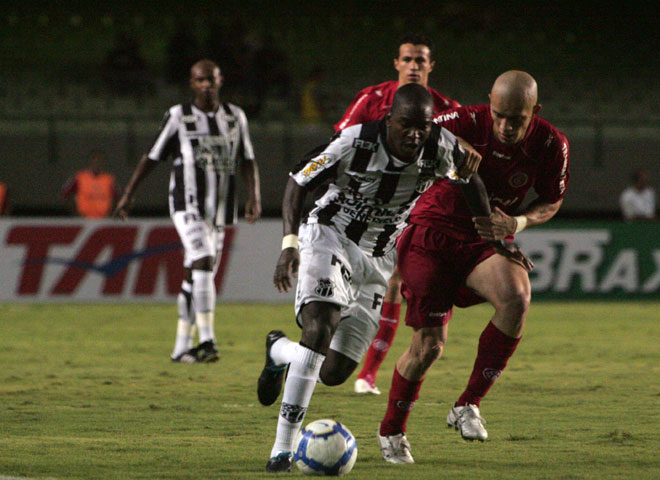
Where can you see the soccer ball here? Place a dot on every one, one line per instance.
(325, 447)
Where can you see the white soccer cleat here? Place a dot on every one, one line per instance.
(362, 386)
(395, 448)
(468, 421)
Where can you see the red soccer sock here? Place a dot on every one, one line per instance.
(403, 395)
(388, 323)
(495, 349)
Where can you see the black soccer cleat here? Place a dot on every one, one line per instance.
(270, 381)
(280, 463)
(205, 352)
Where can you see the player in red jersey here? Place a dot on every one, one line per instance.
(414, 64)
(445, 258)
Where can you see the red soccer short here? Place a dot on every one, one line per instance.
(434, 268)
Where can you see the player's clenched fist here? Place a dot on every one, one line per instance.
(286, 269)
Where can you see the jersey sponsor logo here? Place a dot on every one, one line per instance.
(501, 155)
(446, 117)
(315, 164)
(325, 288)
(365, 145)
(491, 374)
(505, 202)
(213, 153)
(189, 118)
(518, 179)
(380, 345)
(363, 179)
(405, 405)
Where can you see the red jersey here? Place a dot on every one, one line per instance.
(540, 160)
(373, 103)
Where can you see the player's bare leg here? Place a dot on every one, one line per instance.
(388, 324)
(425, 349)
(506, 286)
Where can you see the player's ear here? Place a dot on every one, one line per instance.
(431, 65)
(537, 108)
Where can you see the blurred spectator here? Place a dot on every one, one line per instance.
(95, 190)
(4, 199)
(638, 200)
(183, 50)
(313, 101)
(124, 68)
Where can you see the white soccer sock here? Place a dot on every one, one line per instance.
(185, 329)
(191, 335)
(283, 351)
(204, 322)
(203, 291)
(300, 382)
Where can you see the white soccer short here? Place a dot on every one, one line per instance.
(333, 269)
(199, 239)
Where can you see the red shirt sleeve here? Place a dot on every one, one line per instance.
(552, 179)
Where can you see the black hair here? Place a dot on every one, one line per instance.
(415, 39)
(411, 94)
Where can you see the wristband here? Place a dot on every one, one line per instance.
(290, 241)
(521, 223)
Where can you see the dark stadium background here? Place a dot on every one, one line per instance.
(597, 70)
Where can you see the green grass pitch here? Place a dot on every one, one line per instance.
(88, 392)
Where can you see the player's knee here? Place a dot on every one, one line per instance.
(517, 301)
(426, 353)
(431, 352)
(317, 334)
(333, 376)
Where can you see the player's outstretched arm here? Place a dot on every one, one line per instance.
(250, 174)
(287, 265)
(143, 168)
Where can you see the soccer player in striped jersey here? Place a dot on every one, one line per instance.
(371, 176)
(445, 258)
(414, 63)
(208, 142)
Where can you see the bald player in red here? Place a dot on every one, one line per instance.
(445, 258)
(413, 63)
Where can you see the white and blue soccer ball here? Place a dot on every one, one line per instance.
(325, 447)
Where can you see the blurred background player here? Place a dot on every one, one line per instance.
(638, 200)
(207, 140)
(93, 189)
(347, 248)
(414, 62)
(445, 258)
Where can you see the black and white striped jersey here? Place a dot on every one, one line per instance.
(205, 148)
(369, 192)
